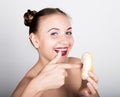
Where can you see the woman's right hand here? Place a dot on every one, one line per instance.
(53, 75)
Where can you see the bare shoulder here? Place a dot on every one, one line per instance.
(21, 86)
(73, 80)
(26, 80)
(74, 60)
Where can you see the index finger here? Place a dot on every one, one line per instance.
(57, 57)
(69, 66)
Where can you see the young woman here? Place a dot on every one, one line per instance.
(55, 74)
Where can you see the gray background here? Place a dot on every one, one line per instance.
(96, 27)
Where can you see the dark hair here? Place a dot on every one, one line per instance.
(31, 18)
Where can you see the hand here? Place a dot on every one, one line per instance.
(53, 74)
(89, 86)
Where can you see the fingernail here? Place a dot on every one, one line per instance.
(88, 78)
(89, 73)
(77, 66)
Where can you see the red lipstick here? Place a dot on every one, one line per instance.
(62, 49)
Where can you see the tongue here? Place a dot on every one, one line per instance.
(64, 53)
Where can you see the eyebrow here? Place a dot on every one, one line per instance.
(58, 29)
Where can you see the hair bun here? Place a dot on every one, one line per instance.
(28, 17)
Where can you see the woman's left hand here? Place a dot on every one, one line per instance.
(90, 86)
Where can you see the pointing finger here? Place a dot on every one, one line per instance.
(69, 66)
(57, 57)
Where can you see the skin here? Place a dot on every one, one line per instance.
(55, 75)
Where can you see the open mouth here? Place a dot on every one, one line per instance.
(64, 50)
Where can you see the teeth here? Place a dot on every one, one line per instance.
(61, 49)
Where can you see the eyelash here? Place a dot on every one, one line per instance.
(56, 33)
(68, 33)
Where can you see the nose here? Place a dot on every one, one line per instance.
(64, 40)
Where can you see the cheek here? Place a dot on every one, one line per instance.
(72, 41)
(48, 44)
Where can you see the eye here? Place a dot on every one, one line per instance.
(54, 33)
(68, 33)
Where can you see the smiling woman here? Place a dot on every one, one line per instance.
(55, 74)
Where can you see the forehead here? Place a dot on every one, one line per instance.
(54, 20)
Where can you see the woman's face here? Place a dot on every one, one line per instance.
(55, 34)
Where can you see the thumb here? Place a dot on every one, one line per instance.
(57, 57)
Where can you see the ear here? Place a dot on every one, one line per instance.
(34, 39)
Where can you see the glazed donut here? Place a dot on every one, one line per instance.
(87, 61)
